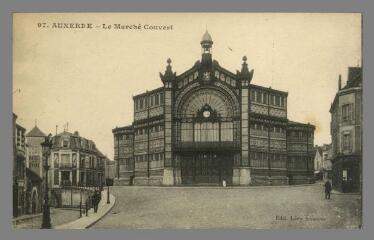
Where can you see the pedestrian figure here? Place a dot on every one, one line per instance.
(327, 189)
(88, 204)
(224, 183)
(99, 196)
(96, 200)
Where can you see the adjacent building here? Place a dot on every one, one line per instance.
(34, 171)
(75, 161)
(209, 124)
(322, 162)
(34, 138)
(318, 163)
(19, 168)
(346, 133)
(27, 182)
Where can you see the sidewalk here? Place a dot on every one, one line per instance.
(25, 217)
(92, 218)
(342, 193)
(59, 216)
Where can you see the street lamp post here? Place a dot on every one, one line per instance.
(107, 192)
(80, 202)
(46, 148)
(107, 196)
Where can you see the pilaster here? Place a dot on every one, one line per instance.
(168, 78)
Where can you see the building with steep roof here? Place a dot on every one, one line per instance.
(35, 170)
(346, 133)
(34, 138)
(209, 124)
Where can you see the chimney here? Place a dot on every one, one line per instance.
(76, 133)
(340, 81)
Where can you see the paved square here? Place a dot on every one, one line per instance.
(210, 207)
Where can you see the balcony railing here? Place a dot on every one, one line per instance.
(65, 183)
(65, 165)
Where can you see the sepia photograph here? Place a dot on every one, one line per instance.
(187, 121)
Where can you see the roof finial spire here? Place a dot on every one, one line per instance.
(244, 66)
(36, 122)
(168, 71)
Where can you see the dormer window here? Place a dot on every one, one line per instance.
(65, 143)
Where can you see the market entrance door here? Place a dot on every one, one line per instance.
(206, 168)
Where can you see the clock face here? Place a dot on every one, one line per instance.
(206, 114)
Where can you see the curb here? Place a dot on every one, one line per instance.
(26, 217)
(76, 223)
(112, 199)
(228, 187)
(342, 193)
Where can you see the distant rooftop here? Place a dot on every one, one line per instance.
(35, 132)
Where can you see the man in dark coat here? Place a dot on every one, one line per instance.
(96, 200)
(327, 189)
(88, 203)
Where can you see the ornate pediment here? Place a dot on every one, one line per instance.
(205, 75)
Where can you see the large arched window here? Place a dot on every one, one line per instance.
(207, 126)
(207, 115)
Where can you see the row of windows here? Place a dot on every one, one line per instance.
(149, 101)
(20, 139)
(34, 158)
(265, 156)
(141, 146)
(263, 127)
(34, 150)
(65, 143)
(141, 131)
(265, 98)
(152, 157)
(224, 78)
(187, 130)
(122, 137)
(262, 159)
(207, 132)
(188, 79)
(299, 134)
(64, 160)
(88, 178)
(34, 165)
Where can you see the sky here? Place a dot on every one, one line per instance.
(87, 77)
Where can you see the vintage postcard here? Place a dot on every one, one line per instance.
(187, 120)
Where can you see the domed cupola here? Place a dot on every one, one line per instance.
(206, 42)
(206, 45)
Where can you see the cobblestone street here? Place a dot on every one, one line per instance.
(214, 207)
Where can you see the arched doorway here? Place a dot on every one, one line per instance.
(207, 136)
